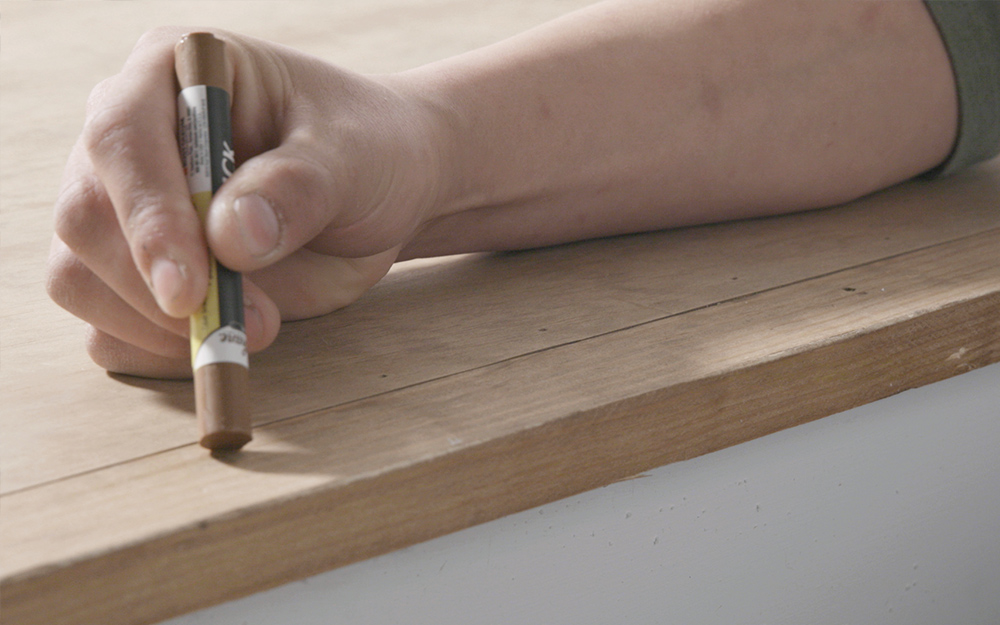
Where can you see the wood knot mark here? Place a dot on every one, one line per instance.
(959, 354)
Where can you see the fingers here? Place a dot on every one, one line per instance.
(123, 340)
(85, 222)
(130, 140)
(329, 179)
(261, 317)
(118, 356)
(79, 290)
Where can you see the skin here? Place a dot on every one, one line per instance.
(623, 117)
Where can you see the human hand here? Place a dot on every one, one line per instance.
(335, 173)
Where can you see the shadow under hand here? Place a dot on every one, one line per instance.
(175, 394)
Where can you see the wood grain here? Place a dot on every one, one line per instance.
(459, 389)
(337, 485)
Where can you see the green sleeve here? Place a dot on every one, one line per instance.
(971, 33)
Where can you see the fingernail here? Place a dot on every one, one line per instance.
(258, 224)
(167, 279)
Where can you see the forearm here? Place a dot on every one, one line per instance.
(632, 116)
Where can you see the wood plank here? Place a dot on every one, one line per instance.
(434, 319)
(349, 482)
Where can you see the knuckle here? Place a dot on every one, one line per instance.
(106, 127)
(301, 172)
(77, 212)
(158, 38)
(301, 181)
(105, 351)
(65, 277)
(148, 228)
(98, 95)
(154, 36)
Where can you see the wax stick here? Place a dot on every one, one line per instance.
(218, 340)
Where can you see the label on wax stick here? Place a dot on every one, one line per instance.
(205, 139)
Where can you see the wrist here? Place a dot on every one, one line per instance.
(445, 131)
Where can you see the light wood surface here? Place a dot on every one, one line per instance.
(459, 389)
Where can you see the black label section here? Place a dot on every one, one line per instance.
(223, 163)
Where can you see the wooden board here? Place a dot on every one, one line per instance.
(459, 389)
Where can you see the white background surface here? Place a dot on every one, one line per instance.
(889, 513)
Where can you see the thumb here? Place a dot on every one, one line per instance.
(272, 205)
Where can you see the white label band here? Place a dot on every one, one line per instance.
(224, 345)
(192, 119)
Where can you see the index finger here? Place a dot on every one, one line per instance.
(130, 136)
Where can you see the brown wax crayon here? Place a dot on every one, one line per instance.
(218, 339)
(200, 59)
